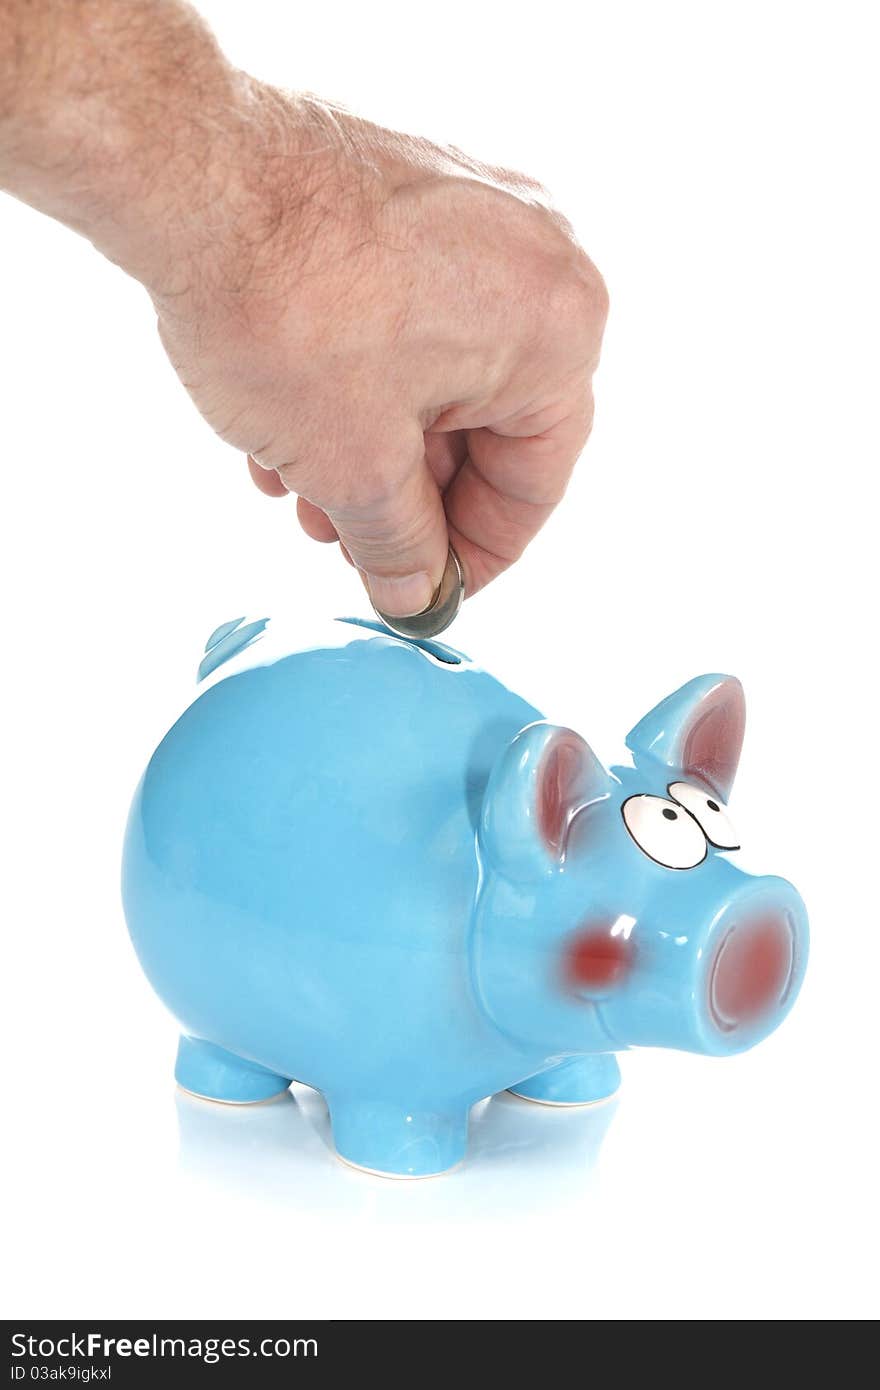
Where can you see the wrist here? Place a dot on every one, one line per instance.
(289, 184)
(170, 215)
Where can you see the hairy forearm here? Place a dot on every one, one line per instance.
(123, 119)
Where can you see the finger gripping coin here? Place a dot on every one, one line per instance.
(442, 611)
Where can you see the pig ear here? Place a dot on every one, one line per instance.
(539, 783)
(697, 732)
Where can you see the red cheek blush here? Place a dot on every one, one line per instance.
(596, 960)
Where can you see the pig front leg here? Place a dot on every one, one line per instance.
(212, 1073)
(396, 1140)
(576, 1081)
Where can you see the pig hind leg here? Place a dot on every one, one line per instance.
(212, 1073)
(576, 1081)
(397, 1140)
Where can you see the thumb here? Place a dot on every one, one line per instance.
(397, 538)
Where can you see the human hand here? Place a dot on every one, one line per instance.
(403, 338)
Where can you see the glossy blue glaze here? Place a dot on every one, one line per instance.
(376, 871)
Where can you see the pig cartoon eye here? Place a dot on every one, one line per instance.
(709, 812)
(665, 832)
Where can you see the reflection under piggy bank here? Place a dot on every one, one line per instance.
(277, 1150)
(374, 869)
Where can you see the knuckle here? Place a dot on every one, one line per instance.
(595, 291)
(387, 538)
(584, 294)
(374, 479)
(370, 490)
(406, 527)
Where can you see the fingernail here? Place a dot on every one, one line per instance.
(401, 598)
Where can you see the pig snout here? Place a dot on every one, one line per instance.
(752, 971)
(721, 985)
(756, 954)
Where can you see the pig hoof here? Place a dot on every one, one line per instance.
(211, 1073)
(397, 1141)
(576, 1081)
(217, 1100)
(562, 1104)
(404, 1177)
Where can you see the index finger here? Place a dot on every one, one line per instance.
(506, 489)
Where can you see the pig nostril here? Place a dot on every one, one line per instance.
(752, 971)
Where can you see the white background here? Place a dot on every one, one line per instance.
(719, 162)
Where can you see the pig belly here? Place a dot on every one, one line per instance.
(323, 977)
(300, 890)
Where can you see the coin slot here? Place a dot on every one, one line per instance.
(448, 655)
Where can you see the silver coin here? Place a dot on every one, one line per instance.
(443, 610)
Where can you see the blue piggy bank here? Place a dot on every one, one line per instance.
(372, 868)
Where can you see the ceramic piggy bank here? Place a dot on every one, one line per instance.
(374, 869)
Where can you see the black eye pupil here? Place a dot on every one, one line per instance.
(713, 805)
(669, 813)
